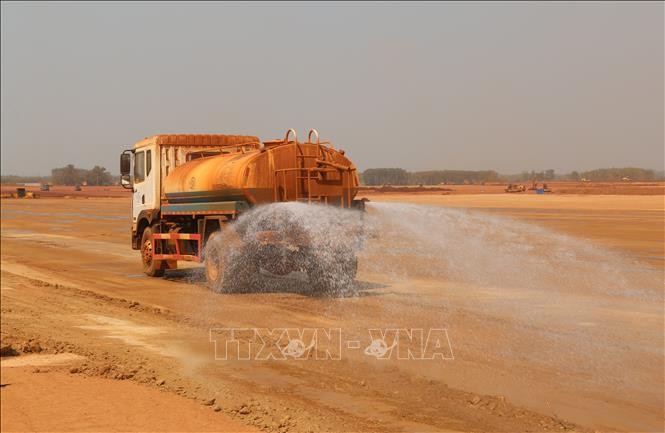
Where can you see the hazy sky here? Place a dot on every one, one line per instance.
(510, 86)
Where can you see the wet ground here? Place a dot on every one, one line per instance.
(551, 307)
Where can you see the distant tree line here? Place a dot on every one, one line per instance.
(67, 175)
(399, 176)
(70, 175)
(534, 175)
(385, 176)
(613, 174)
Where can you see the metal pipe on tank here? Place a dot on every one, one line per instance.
(309, 136)
(295, 136)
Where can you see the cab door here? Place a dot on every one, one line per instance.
(144, 182)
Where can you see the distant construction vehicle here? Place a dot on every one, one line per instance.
(188, 187)
(515, 188)
(22, 192)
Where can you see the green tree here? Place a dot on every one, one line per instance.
(617, 174)
(68, 175)
(549, 174)
(98, 176)
(386, 176)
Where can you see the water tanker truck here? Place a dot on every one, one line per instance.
(188, 188)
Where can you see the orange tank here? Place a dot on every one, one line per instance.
(280, 170)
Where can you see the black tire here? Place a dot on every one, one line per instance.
(152, 268)
(214, 262)
(243, 274)
(228, 265)
(336, 278)
(350, 267)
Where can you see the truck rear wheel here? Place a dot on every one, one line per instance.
(151, 267)
(334, 278)
(229, 266)
(215, 262)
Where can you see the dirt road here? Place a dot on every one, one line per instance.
(50, 398)
(525, 358)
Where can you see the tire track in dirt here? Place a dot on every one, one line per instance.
(317, 393)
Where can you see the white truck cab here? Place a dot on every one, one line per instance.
(145, 167)
(145, 180)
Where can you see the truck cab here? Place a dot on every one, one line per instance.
(146, 183)
(144, 168)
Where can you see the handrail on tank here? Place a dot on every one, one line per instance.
(238, 146)
(295, 136)
(309, 136)
(318, 142)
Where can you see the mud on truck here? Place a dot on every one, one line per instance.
(189, 189)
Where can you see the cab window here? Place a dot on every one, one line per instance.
(148, 162)
(139, 166)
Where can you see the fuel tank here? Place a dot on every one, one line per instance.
(280, 170)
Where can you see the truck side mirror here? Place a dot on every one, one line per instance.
(125, 164)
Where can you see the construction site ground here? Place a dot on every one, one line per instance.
(98, 346)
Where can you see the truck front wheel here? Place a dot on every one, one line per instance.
(151, 267)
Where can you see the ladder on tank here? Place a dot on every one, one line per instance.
(307, 176)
